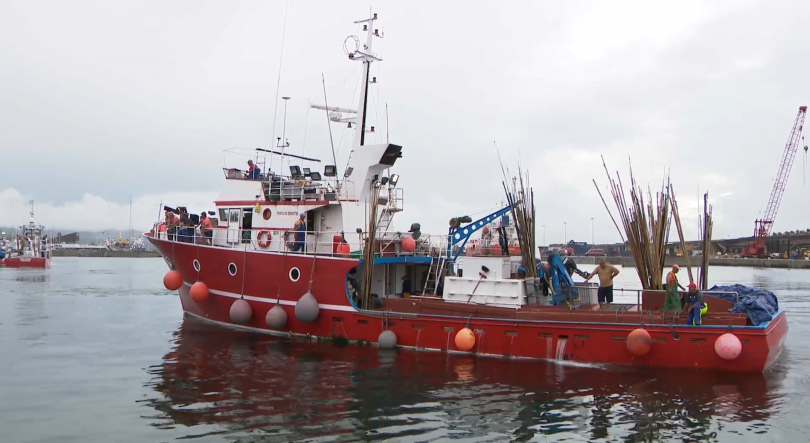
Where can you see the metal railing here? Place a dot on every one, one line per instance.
(388, 244)
(586, 294)
(580, 294)
(278, 187)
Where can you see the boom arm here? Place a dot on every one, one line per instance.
(763, 226)
(462, 234)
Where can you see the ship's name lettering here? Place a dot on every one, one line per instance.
(286, 213)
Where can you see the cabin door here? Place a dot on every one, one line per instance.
(234, 225)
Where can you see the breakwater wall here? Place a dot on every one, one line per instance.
(669, 261)
(104, 253)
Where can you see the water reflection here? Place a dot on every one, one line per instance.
(32, 278)
(264, 388)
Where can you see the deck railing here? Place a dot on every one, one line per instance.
(278, 187)
(387, 244)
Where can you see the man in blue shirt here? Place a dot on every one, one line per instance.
(300, 233)
(697, 306)
(254, 172)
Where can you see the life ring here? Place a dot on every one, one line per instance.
(263, 238)
(289, 239)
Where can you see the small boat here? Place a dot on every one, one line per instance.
(314, 255)
(33, 249)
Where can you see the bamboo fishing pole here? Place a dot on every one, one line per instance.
(676, 215)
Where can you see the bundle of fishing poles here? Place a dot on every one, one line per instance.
(369, 246)
(705, 227)
(646, 224)
(521, 201)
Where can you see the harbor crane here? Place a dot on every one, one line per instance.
(763, 226)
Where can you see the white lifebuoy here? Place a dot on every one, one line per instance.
(263, 238)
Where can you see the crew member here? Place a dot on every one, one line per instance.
(172, 222)
(254, 172)
(406, 286)
(206, 228)
(186, 231)
(300, 233)
(697, 307)
(606, 273)
(672, 302)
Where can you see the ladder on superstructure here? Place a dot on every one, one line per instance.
(385, 220)
(434, 276)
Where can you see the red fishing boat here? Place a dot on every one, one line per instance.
(314, 254)
(32, 249)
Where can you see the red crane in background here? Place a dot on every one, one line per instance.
(762, 226)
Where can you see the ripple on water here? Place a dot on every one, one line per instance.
(102, 350)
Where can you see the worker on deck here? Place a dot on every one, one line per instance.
(254, 172)
(300, 228)
(172, 222)
(672, 301)
(185, 231)
(206, 229)
(697, 306)
(406, 286)
(606, 273)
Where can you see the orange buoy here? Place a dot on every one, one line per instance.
(728, 346)
(639, 342)
(173, 280)
(465, 339)
(344, 250)
(199, 291)
(408, 244)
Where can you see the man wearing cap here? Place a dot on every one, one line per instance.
(300, 233)
(697, 307)
(672, 302)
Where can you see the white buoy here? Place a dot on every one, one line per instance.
(306, 310)
(276, 317)
(241, 311)
(387, 339)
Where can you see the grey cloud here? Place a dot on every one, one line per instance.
(116, 98)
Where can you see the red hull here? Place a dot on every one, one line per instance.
(27, 262)
(285, 385)
(591, 342)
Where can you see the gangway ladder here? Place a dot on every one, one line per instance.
(435, 272)
(385, 220)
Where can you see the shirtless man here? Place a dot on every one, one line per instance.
(606, 273)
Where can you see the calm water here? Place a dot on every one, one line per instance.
(95, 350)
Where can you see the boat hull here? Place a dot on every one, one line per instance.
(27, 262)
(588, 342)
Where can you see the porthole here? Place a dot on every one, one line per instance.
(295, 274)
(267, 213)
(232, 269)
(196, 265)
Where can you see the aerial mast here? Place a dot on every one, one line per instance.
(366, 56)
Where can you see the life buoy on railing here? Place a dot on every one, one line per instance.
(263, 238)
(289, 239)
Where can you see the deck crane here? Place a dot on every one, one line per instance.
(762, 226)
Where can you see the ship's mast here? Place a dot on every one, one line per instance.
(366, 56)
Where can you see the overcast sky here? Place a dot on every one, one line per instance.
(100, 100)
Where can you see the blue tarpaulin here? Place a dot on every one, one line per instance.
(758, 304)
